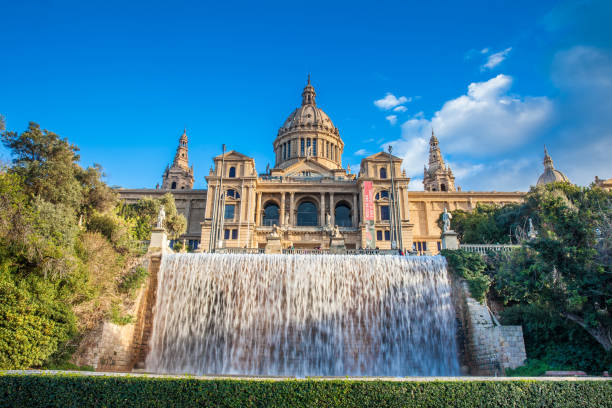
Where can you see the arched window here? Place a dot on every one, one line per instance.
(271, 214)
(232, 172)
(383, 172)
(307, 215)
(442, 187)
(343, 215)
(382, 194)
(233, 194)
(173, 185)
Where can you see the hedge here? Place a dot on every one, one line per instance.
(72, 390)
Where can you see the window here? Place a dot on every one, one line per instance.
(232, 193)
(308, 150)
(384, 213)
(307, 215)
(439, 246)
(232, 172)
(382, 194)
(289, 149)
(387, 236)
(235, 234)
(314, 147)
(226, 234)
(229, 211)
(379, 235)
(271, 214)
(173, 185)
(442, 187)
(302, 146)
(343, 215)
(383, 172)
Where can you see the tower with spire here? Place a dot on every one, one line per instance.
(179, 176)
(438, 176)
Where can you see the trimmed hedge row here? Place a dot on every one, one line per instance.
(102, 391)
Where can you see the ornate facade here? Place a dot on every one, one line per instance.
(309, 191)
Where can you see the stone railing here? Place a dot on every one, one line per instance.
(239, 250)
(483, 249)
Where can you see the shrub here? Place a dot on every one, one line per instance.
(117, 316)
(98, 391)
(133, 280)
(471, 267)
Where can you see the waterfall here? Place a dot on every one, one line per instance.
(303, 315)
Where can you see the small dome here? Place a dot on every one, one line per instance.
(550, 175)
(308, 115)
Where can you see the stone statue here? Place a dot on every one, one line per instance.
(286, 219)
(336, 232)
(268, 169)
(348, 169)
(275, 231)
(446, 219)
(161, 217)
(327, 220)
(531, 232)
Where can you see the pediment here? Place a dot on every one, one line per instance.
(233, 155)
(382, 156)
(306, 167)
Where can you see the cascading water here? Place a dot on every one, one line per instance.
(303, 315)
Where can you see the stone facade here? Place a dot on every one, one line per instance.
(179, 176)
(308, 191)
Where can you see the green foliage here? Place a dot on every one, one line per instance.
(488, 224)
(532, 368)
(133, 280)
(33, 324)
(143, 214)
(80, 391)
(118, 317)
(471, 267)
(558, 343)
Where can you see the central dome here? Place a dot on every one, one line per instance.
(308, 133)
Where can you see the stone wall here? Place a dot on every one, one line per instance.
(113, 347)
(485, 346)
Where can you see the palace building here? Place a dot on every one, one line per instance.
(309, 191)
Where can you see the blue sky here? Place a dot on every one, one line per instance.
(497, 80)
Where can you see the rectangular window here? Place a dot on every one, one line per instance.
(439, 246)
(387, 236)
(235, 234)
(379, 235)
(289, 149)
(226, 234)
(314, 147)
(229, 211)
(384, 213)
(308, 146)
(424, 246)
(302, 147)
(284, 151)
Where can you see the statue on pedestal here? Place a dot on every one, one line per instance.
(161, 217)
(336, 232)
(276, 231)
(446, 219)
(531, 233)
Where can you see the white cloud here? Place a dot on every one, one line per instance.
(400, 108)
(484, 51)
(392, 119)
(488, 120)
(390, 101)
(361, 152)
(496, 59)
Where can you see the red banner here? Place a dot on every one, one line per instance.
(368, 201)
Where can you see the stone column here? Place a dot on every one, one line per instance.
(332, 212)
(292, 208)
(355, 211)
(258, 210)
(282, 210)
(322, 209)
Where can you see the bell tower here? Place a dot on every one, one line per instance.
(179, 176)
(438, 177)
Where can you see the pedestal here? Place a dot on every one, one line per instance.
(159, 240)
(337, 246)
(450, 240)
(273, 246)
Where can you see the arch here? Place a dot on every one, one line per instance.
(383, 172)
(342, 214)
(307, 214)
(232, 193)
(232, 172)
(173, 187)
(382, 194)
(271, 214)
(442, 187)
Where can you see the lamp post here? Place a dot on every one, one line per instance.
(395, 221)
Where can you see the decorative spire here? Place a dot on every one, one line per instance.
(433, 139)
(309, 94)
(548, 163)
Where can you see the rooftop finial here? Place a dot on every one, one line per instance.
(309, 78)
